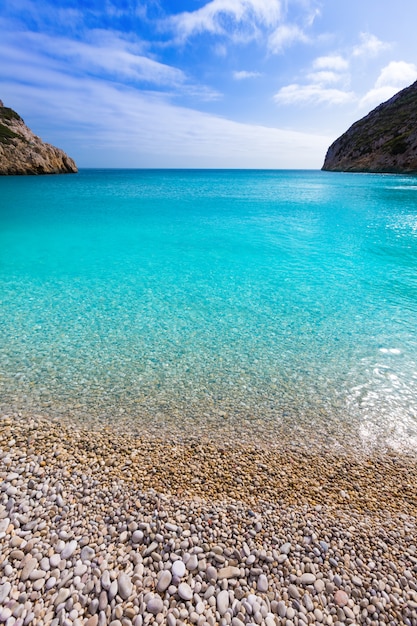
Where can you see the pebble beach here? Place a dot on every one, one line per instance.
(100, 526)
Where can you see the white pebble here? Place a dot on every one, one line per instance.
(69, 549)
(4, 591)
(184, 591)
(178, 569)
(262, 583)
(222, 602)
(124, 586)
(308, 579)
(164, 580)
(137, 536)
(155, 605)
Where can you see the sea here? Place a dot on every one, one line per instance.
(264, 306)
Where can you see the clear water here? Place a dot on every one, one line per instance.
(264, 304)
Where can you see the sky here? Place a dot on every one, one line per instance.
(202, 83)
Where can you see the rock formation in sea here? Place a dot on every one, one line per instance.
(22, 152)
(383, 141)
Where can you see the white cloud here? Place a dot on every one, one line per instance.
(369, 46)
(108, 53)
(243, 20)
(243, 75)
(393, 77)
(376, 96)
(398, 74)
(285, 35)
(332, 62)
(325, 77)
(221, 16)
(106, 56)
(314, 94)
(334, 68)
(327, 71)
(104, 125)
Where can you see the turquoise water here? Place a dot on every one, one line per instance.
(267, 304)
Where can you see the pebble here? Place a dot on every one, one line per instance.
(105, 580)
(192, 563)
(211, 573)
(228, 572)
(171, 619)
(54, 560)
(62, 595)
(164, 580)
(28, 568)
(324, 546)
(4, 524)
(341, 598)
(69, 549)
(124, 586)
(178, 569)
(293, 592)
(137, 536)
(5, 613)
(87, 553)
(307, 579)
(17, 555)
(281, 608)
(262, 584)
(155, 605)
(308, 602)
(184, 591)
(91, 536)
(222, 602)
(4, 591)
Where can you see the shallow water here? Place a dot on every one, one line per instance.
(256, 304)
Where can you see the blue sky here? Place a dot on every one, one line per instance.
(202, 83)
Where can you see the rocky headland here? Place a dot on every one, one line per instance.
(383, 141)
(22, 152)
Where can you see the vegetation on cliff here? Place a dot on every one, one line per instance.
(383, 141)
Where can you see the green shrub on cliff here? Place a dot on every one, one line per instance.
(6, 134)
(7, 114)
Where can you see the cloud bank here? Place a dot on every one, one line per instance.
(393, 77)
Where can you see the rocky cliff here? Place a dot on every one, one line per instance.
(383, 141)
(22, 152)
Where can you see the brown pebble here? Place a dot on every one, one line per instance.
(341, 597)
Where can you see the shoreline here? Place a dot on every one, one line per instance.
(93, 522)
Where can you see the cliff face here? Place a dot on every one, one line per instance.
(383, 141)
(22, 152)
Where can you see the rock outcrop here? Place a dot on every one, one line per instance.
(383, 141)
(22, 152)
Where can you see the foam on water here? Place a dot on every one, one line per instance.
(255, 304)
